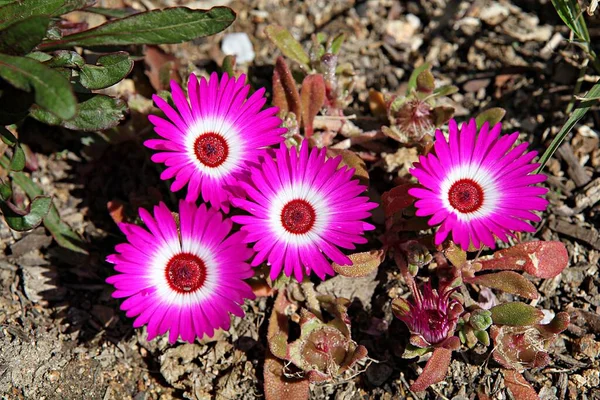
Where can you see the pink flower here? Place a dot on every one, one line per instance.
(212, 136)
(182, 277)
(430, 317)
(477, 187)
(303, 208)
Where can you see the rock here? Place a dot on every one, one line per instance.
(378, 373)
(403, 33)
(494, 14)
(239, 45)
(40, 284)
(351, 288)
(34, 240)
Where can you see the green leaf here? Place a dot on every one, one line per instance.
(228, 65)
(171, 25)
(412, 81)
(492, 116)
(7, 136)
(516, 314)
(21, 37)
(110, 69)
(336, 43)
(17, 162)
(572, 16)
(111, 12)
(289, 46)
(72, 5)
(97, 113)
(31, 218)
(579, 112)
(67, 59)
(445, 90)
(61, 232)
(5, 191)
(20, 10)
(52, 91)
(39, 56)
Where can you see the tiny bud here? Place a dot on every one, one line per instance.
(481, 319)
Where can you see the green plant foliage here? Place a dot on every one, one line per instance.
(110, 69)
(289, 46)
(26, 220)
(52, 91)
(21, 37)
(172, 25)
(43, 77)
(588, 100)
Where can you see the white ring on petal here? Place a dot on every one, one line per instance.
(298, 191)
(487, 182)
(157, 276)
(228, 132)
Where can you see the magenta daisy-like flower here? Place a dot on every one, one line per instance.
(212, 135)
(478, 186)
(303, 208)
(184, 277)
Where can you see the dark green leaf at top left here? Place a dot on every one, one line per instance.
(52, 90)
(111, 69)
(21, 37)
(20, 10)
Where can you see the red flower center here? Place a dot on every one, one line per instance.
(185, 273)
(466, 195)
(211, 149)
(298, 217)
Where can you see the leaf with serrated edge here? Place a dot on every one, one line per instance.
(52, 91)
(171, 25)
(97, 113)
(110, 69)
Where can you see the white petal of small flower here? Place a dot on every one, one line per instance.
(299, 191)
(157, 275)
(484, 178)
(228, 132)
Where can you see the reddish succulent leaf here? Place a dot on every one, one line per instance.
(516, 314)
(312, 95)
(435, 370)
(277, 334)
(507, 281)
(518, 386)
(559, 323)
(397, 199)
(278, 386)
(541, 259)
(363, 264)
(285, 93)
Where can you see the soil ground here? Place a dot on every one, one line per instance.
(62, 336)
